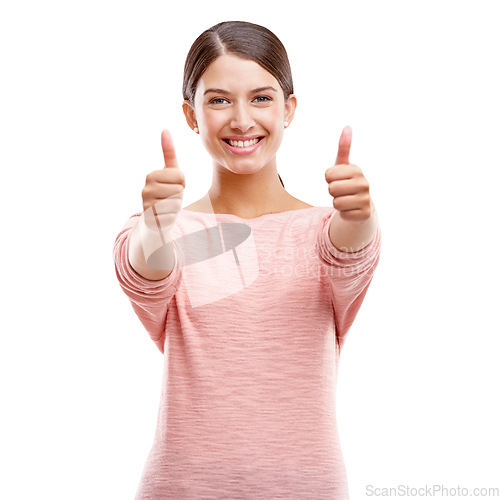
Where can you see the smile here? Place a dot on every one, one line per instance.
(243, 147)
(242, 144)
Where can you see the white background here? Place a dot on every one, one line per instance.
(86, 89)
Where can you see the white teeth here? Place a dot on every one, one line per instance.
(241, 144)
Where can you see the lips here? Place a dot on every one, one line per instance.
(237, 146)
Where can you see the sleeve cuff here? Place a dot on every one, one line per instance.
(329, 254)
(133, 282)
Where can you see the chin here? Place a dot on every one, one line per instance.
(243, 169)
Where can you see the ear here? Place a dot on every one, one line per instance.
(290, 107)
(189, 114)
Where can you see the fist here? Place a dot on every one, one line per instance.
(164, 189)
(348, 185)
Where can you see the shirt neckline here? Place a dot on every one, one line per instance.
(253, 218)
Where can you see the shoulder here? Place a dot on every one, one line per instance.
(303, 204)
(200, 206)
(296, 204)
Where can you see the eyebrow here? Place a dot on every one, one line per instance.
(254, 91)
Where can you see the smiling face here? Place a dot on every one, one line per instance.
(238, 100)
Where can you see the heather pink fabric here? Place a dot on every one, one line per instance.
(251, 341)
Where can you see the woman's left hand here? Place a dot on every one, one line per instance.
(348, 185)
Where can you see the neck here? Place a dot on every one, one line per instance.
(247, 195)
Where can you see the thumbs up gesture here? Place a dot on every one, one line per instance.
(164, 189)
(151, 252)
(348, 185)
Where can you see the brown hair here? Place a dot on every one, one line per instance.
(241, 38)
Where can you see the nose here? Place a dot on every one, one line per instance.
(242, 117)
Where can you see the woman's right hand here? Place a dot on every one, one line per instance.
(164, 189)
(151, 251)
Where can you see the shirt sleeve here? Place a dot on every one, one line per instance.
(349, 274)
(149, 298)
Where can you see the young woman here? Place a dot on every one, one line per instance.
(249, 292)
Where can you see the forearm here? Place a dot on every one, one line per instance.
(352, 236)
(138, 262)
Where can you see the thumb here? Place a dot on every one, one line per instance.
(167, 146)
(344, 146)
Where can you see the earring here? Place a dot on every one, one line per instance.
(195, 130)
(286, 124)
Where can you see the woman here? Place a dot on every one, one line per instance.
(248, 292)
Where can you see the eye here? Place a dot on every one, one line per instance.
(217, 100)
(263, 98)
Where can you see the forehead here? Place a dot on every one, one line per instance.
(234, 73)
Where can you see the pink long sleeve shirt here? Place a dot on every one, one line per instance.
(251, 323)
